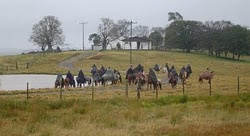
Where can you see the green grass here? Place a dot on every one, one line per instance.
(194, 113)
(168, 115)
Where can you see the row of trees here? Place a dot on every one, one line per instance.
(218, 37)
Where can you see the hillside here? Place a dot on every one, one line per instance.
(195, 113)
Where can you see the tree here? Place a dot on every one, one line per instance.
(237, 40)
(156, 39)
(95, 38)
(141, 31)
(174, 16)
(47, 33)
(122, 27)
(185, 35)
(106, 31)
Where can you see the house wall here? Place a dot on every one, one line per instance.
(126, 46)
(97, 48)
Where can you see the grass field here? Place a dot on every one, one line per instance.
(225, 113)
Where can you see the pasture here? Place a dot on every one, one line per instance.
(111, 113)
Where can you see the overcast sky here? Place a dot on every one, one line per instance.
(18, 16)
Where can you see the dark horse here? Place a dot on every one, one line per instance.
(59, 83)
(152, 80)
(173, 80)
(69, 83)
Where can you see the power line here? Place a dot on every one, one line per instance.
(83, 23)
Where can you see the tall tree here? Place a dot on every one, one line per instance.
(174, 16)
(47, 33)
(123, 28)
(185, 35)
(95, 38)
(106, 31)
(156, 39)
(141, 31)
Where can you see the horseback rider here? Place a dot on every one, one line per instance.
(59, 76)
(71, 78)
(129, 71)
(189, 70)
(81, 76)
(167, 67)
(157, 68)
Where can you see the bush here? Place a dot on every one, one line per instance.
(183, 99)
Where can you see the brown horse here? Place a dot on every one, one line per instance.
(149, 84)
(68, 84)
(173, 80)
(183, 75)
(59, 83)
(207, 75)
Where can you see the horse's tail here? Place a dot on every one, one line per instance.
(200, 79)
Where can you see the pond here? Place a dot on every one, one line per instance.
(19, 82)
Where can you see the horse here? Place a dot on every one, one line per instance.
(173, 80)
(189, 70)
(183, 75)
(117, 76)
(80, 81)
(88, 79)
(130, 78)
(207, 75)
(149, 84)
(97, 78)
(153, 80)
(109, 76)
(68, 83)
(59, 83)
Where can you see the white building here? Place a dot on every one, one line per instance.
(96, 47)
(137, 43)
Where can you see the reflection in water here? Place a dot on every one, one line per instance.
(19, 82)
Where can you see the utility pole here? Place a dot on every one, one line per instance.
(83, 23)
(130, 42)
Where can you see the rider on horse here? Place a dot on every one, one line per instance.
(81, 76)
(71, 78)
(129, 71)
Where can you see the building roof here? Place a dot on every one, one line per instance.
(136, 39)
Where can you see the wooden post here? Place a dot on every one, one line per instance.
(16, 65)
(92, 92)
(238, 85)
(183, 87)
(138, 93)
(27, 90)
(156, 91)
(126, 89)
(27, 65)
(7, 68)
(210, 88)
(60, 92)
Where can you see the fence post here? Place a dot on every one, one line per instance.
(210, 88)
(27, 90)
(60, 92)
(238, 85)
(183, 87)
(156, 91)
(126, 89)
(27, 65)
(16, 65)
(92, 92)
(138, 93)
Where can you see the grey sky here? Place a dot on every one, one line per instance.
(18, 16)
